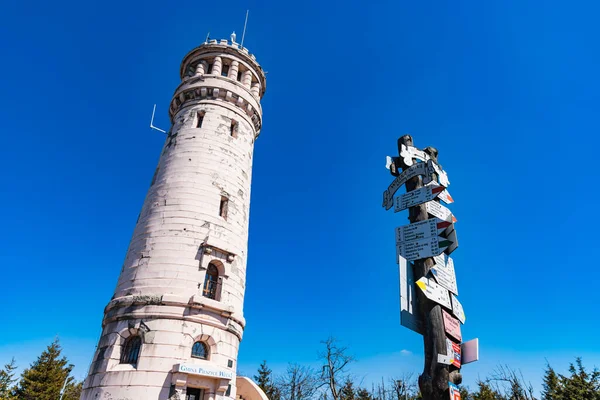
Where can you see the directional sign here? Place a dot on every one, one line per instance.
(452, 356)
(420, 196)
(451, 325)
(434, 292)
(470, 351)
(425, 169)
(457, 310)
(454, 391)
(443, 272)
(409, 152)
(409, 316)
(437, 210)
(428, 247)
(421, 230)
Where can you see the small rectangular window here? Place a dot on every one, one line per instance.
(199, 119)
(239, 77)
(223, 207)
(233, 129)
(209, 69)
(225, 70)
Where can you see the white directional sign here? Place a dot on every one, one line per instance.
(470, 351)
(422, 195)
(434, 292)
(443, 272)
(428, 247)
(425, 169)
(409, 152)
(409, 310)
(420, 230)
(437, 210)
(457, 310)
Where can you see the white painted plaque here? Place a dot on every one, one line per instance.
(415, 170)
(420, 230)
(420, 196)
(428, 247)
(408, 298)
(409, 152)
(470, 351)
(444, 274)
(457, 310)
(435, 292)
(437, 210)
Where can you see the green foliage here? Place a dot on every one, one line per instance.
(347, 392)
(363, 394)
(580, 385)
(265, 381)
(44, 379)
(486, 392)
(551, 386)
(7, 381)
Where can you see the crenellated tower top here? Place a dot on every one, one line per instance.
(221, 71)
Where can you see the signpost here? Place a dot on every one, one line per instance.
(452, 326)
(439, 211)
(457, 309)
(421, 230)
(444, 274)
(422, 195)
(428, 287)
(434, 292)
(428, 247)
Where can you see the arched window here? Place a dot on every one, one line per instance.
(211, 282)
(131, 350)
(200, 350)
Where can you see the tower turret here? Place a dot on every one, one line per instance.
(175, 322)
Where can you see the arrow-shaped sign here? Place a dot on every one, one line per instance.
(422, 195)
(428, 247)
(457, 310)
(444, 274)
(409, 314)
(420, 230)
(437, 210)
(434, 292)
(423, 168)
(409, 152)
(451, 325)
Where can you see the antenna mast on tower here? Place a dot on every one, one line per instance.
(244, 32)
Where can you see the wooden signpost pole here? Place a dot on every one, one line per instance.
(433, 382)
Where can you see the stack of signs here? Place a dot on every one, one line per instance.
(435, 238)
(454, 391)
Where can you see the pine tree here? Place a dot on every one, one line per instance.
(44, 379)
(265, 381)
(363, 394)
(580, 385)
(485, 392)
(7, 381)
(551, 386)
(347, 391)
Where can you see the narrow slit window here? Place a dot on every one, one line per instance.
(199, 119)
(239, 76)
(234, 128)
(225, 70)
(223, 207)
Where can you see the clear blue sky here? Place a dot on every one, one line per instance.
(508, 92)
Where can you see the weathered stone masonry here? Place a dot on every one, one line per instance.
(183, 279)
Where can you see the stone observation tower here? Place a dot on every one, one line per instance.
(173, 327)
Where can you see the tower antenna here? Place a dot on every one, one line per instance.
(244, 32)
(152, 121)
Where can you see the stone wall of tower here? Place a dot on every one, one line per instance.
(205, 168)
